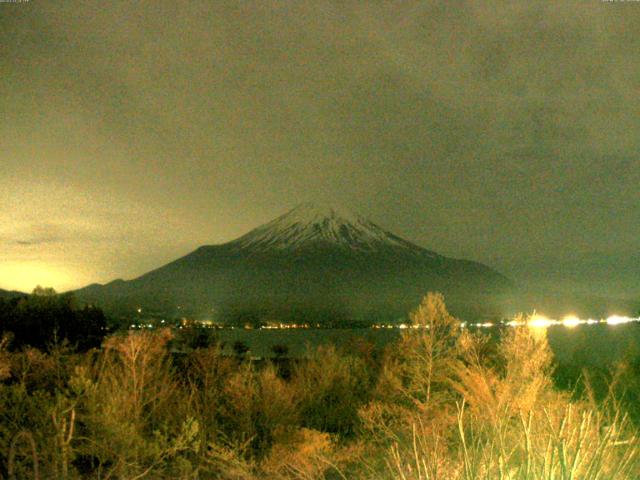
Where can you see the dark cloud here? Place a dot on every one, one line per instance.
(38, 234)
(36, 241)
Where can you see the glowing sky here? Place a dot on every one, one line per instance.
(505, 132)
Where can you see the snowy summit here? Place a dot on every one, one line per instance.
(311, 225)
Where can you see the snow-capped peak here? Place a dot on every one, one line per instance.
(310, 224)
(313, 212)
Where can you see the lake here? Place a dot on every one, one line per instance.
(598, 344)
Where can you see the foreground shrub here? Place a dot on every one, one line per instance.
(125, 402)
(415, 384)
(512, 424)
(441, 403)
(573, 443)
(331, 387)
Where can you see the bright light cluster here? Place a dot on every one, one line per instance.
(617, 320)
(569, 321)
(534, 321)
(540, 321)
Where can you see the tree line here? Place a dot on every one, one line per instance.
(46, 318)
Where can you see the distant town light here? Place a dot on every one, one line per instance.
(540, 321)
(571, 321)
(515, 323)
(617, 320)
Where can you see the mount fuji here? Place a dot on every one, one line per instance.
(313, 264)
(309, 226)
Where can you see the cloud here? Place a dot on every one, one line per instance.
(35, 241)
(477, 129)
(30, 235)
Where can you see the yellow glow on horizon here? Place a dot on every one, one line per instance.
(25, 276)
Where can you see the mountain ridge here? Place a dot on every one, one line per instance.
(311, 259)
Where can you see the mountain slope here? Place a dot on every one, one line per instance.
(313, 262)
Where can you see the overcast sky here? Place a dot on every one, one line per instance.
(504, 132)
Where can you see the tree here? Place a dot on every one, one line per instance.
(46, 318)
(421, 363)
(40, 291)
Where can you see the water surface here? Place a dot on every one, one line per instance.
(585, 344)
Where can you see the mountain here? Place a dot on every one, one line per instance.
(310, 226)
(313, 263)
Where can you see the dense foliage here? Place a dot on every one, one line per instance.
(45, 318)
(441, 403)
